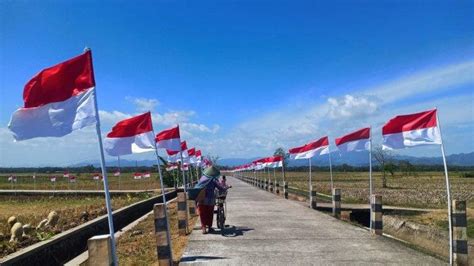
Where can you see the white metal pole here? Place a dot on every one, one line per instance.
(310, 181)
(370, 178)
(120, 173)
(330, 170)
(168, 232)
(448, 193)
(182, 170)
(104, 175)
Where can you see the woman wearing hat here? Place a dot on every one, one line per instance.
(207, 197)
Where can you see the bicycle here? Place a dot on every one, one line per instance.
(221, 209)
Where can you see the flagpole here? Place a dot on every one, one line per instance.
(330, 169)
(104, 175)
(370, 177)
(310, 181)
(448, 193)
(168, 236)
(120, 173)
(184, 184)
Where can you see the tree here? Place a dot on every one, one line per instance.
(280, 151)
(383, 157)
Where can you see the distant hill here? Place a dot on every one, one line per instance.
(354, 159)
(361, 159)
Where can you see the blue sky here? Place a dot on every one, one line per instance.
(245, 77)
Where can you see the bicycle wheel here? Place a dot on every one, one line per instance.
(220, 218)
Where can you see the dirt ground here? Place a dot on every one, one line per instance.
(72, 211)
(84, 181)
(138, 246)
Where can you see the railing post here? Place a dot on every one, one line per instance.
(182, 217)
(460, 247)
(336, 202)
(266, 184)
(191, 206)
(163, 247)
(312, 200)
(271, 186)
(285, 189)
(277, 187)
(376, 214)
(100, 250)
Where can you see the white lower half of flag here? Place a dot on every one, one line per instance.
(96, 177)
(356, 145)
(169, 144)
(171, 168)
(127, 145)
(405, 139)
(53, 179)
(54, 119)
(117, 174)
(173, 158)
(72, 180)
(274, 164)
(147, 175)
(311, 153)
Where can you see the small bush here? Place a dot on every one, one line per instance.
(467, 174)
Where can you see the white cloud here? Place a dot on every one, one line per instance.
(351, 106)
(144, 104)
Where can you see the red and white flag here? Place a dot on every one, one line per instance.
(356, 141)
(173, 156)
(12, 178)
(185, 167)
(57, 101)
(147, 175)
(66, 175)
(132, 135)
(169, 139)
(410, 130)
(117, 173)
(184, 150)
(96, 177)
(198, 157)
(137, 176)
(52, 179)
(307, 151)
(274, 162)
(171, 167)
(72, 179)
(192, 155)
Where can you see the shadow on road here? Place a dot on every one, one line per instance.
(201, 258)
(232, 231)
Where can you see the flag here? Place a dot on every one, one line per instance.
(184, 149)
(173, 156)
(52, 179)
(117, 173)
(34, 176)
(274, 162)
(411, 130)
(96, 177)
(147, 175)
(184, 167)
(356, 141)
(171, 167)
(57, 101)
(66, 175)
(169, 139)
(137, 176)
(132, 135)
(72, 179)
(307, 151)
(12, 178)
(192, 155)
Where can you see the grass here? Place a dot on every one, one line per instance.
(34, 209)
(140, 249)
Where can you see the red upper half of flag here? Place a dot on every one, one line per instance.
(410, 122)
(198, 153)
(192, 152)
(60, 82)
(132, 126)
(171, 153)
(324, 141)
(184, 146)
(171, 133)
(262, 160)
(273, 159)
(356, 135)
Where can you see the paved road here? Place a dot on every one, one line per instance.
(264, 229)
